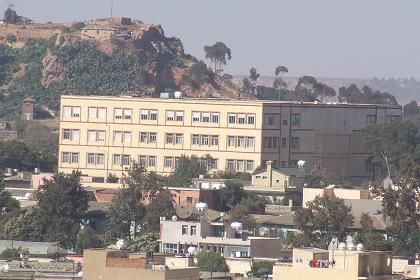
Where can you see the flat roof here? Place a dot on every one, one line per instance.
(251, 102)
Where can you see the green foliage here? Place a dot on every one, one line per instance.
(147, 242)
(353, 94)
(112, 178)
(219, 54)
(161, 205)
(10, 16)
(324, 218)
(196, 75)
(16, 154)
(63, 202)
(87, 238)
(242, 210)
(411, 108)
(371, 240)
(231, 194)
(260, 269)
(211, 261)
(77, 26)
(186, 169)
(7, 202)
(28, 224)
(11, 38)
(309, 89)
(10, 253)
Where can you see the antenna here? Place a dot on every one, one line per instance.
(112, 6)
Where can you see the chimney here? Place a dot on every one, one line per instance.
(270, 173)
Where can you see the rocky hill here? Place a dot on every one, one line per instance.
(111, 56)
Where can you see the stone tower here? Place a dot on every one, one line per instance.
(28, 109)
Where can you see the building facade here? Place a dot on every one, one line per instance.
(100, 135)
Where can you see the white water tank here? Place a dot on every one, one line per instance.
(236, 226)
(178, 94)
(359, 247)
(201, 206)
(342, 246)
(174, 218)
(121, 244)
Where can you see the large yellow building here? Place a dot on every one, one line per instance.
(99, 135)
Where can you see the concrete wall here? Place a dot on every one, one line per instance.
(241, 266)
(309, 194)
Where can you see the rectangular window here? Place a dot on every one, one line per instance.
(392, 119)
(75, 112)
(152, 137)
(179, 116)
(67, 111)
(152, 161)
(153, 115)
(101, 135)
(205, 117)
(193, 230)
(116, 159)
(282, 164)
(92, 135)
(240, 141)
(249, 165)
(74, 157)
(184, 229)
(230, 164)
(127, 114)
(143, 137)
(205, 140)
(170, 248)
(295, 119)
(215, 117)
(250, 142)
(285, 122)
(127, 138)
(102, 113)
(75, 134)
(100, 159)
(295, 143)
(215, 140)
(270, 142)
(117, 136)
(293, 163)
(251, 119)
(118, 114)
(271, 119)
(240, 165)
(178, 139)
(66, 134)
(170, 116)
(168, 162)
(283, 143)
(214, 164)
(195, 140)
(93, 112)
(143, 161)
(169, 138)
(126, 159)
(232, 118)
(144, 115)
(241, 118)
(91, 159)
(65, 157)
(231, 141)
(196, 116)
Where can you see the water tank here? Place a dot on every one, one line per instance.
(201, 206)
(37, 170)
(164, 95)
(28, 196)
(359, 247)
(342, 246)
(121, 244)
(351, 247)
(178, 94)
(191, 250)
(236, 226)
(174, 218)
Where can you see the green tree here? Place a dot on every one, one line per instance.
(411, 108)
(10, 253)
(324, 218)
(7, 202)
(218, 54)
(353, 94)
(10, 16)
(260, 269)
(309, 89)
(112, 178)
(147, 242)
(212, 262)
(87, 238)
(280, 70)
(196, 75)
(231, 194)
(64, 202)
(161, 205)
(242, 211)
(371, 240)
(27, 224)
(186, 169)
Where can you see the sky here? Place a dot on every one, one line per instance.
(322, 38)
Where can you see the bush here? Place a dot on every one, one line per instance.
(11, 38)
(10, 253)
(87, 238)
(261, 269)
(211, 261)
(112, 178)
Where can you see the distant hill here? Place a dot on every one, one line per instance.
(405, 90)
(110, 56)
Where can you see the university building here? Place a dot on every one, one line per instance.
(100, 135)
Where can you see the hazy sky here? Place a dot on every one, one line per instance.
(324, 38)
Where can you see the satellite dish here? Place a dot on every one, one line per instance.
(184, 211)
(174, 218)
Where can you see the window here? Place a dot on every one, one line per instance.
(189, 199)
(271, 119)
(97, 113)
(152, 161)
(215, 117)
(169, 138)
(170, 248)
(240, 141)
(152, 137)
(71, 111)
(75, 112)
(205, 140)
(127, 114)
(195, 140)
(205, 117)
(283, 143)
(153, 115)
(100, 159)
(116, 159)
(240, 165)
(96, 136)
(117, 136)
(74, 157)
(95, 159)
(193, 230)
(295, 119)
(215, 140)
(370, 119)
(250, 142)
(102, 113)
(251, 119)
(196, 116)
(231, 141)
(241, 118)
(232, 118)
(214, 164)
(65, 157)
(67, 134)
(285, 122)
(125, 159)
(91, 158)
(120, 114)
(93, 112)
(282, 164)
(143, 161)
(127, 138)
(101, 135)
(295, 143)
(230, 164)
(144, 115)
(178, 139)
(143, 137)
(270, 142)
(184, 229)
(170, 116)
(391, 119)
(92, 135)
(369, 165)
(168, 162)
(293, 163)
(179, 116)
(249, 165)
(66, 111)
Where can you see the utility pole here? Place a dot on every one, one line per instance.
(112, 6)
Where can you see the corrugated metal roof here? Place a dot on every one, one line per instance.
(35, 248)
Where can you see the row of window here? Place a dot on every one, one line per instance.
(273, 119)
(149, 161)
(274, 142)
(99, 113)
